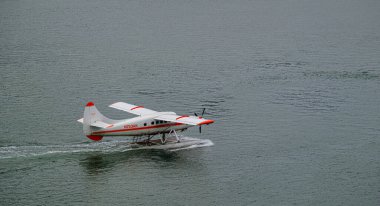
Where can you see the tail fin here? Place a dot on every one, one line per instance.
(93, 119)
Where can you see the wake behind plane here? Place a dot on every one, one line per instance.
(143, 128)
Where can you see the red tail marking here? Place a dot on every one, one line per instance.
(90, 104)
(95, 138)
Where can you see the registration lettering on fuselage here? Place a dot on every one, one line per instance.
(130, 126)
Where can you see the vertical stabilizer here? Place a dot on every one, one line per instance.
(90, 117)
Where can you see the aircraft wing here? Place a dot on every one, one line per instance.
(190, 120)
(137, 110)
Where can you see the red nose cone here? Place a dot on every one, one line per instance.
(90, 104)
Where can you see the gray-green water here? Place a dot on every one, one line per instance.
(293, 86)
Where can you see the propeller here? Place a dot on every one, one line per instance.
(203, 112)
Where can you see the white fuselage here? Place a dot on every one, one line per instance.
(140, 126)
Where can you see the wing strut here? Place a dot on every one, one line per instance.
(175, 134)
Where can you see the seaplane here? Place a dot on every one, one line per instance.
(142, 128)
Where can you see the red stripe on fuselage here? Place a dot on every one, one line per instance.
(138, 128)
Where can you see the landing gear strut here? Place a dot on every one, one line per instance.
(163, 138)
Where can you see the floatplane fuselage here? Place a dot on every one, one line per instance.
(148, 122)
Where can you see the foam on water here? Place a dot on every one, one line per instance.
(198, 144)
(104, 147)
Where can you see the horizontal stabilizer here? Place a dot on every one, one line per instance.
(100, 124)
(80, 120)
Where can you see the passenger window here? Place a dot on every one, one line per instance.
(144, 124)
(157, 121)
(153, 123)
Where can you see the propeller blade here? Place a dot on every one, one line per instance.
(195, 114)
(203, 112)
(200, 129)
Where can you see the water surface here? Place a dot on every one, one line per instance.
(292, 85)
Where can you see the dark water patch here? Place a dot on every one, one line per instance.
(268, 70)
(153, 92)
(343, 75)
(311, 99)
(95, 164)
(282, 65)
